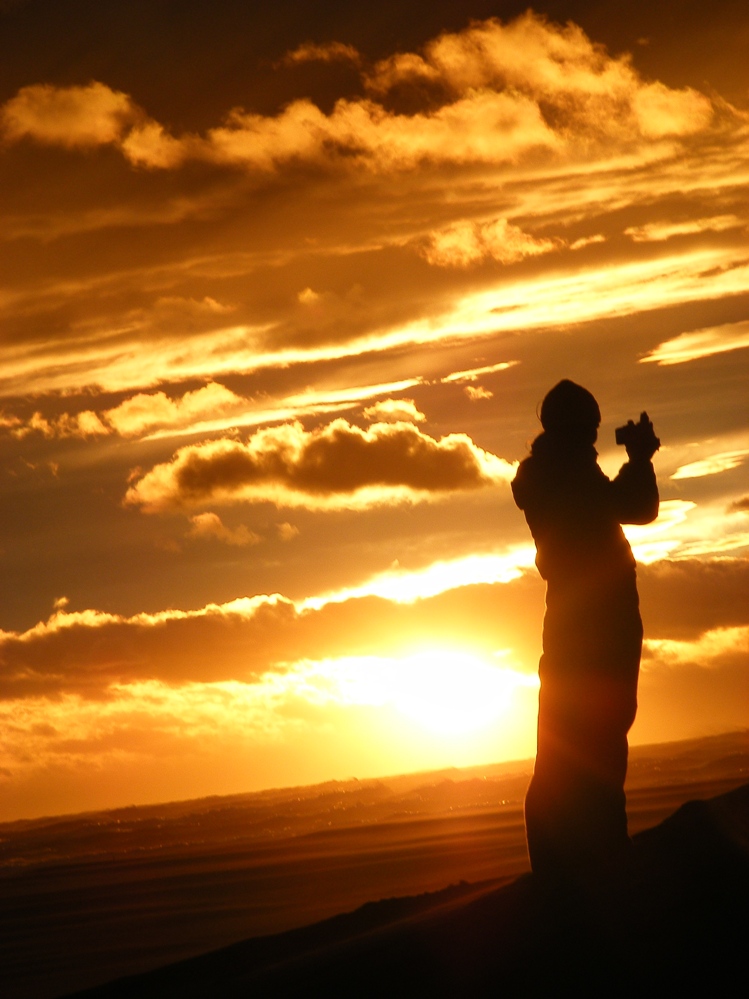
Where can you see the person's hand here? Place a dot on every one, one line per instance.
(639, 438)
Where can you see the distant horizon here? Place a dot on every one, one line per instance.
(525, 762)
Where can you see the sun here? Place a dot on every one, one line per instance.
(452, 692)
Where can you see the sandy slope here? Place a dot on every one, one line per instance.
(87, 899)
(680, 929)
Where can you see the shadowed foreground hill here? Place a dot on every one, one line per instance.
(683, 924)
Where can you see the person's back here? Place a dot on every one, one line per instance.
(574, 511)
(575, 815)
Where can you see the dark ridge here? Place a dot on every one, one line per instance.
(680, 927)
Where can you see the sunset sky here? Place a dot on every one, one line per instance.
(282, 287)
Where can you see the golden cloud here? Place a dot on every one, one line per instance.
(83, 424)
(338, 466)
(700, 343)
(149, 145)
(473, 374)
(656, 232)
(476, 392)
(394, 411)
(146, 411)
(712, 465)
(464, 243)
(584, 88)
(209, 525)
(287, 531)
(711, 649)
(93, 115)
(136, 415)
(510, 90)
(406, 586)
(484, 127)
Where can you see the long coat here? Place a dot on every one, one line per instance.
(592, 640)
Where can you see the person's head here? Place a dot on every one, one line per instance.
(570, 411)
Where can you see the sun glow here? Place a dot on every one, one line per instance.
(444, 691)
(455, 692)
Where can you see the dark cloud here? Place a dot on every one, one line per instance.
(86, 653)
(335, 466)
(683, 599)
(684, 605)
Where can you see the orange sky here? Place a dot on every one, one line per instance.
(280, 295)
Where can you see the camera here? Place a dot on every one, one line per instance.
(638, 438)
(627, 435)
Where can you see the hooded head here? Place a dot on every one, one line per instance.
(570, 411)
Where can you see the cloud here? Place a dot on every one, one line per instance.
(92, 653)
(712, 649)
(136, 415)
(481, 602)
(150, 145)
(684, 530)
(464, 243)
(476, 392)
(476, 602)
(93, 115)
(577, 295)
(584, 241)
(10, 422)
(310, 402)
(502, 91)
(83, 424)
(322, 52)
(716, 463)
(508, 90)
(88, 651)
(683, 599)
(740, 505)
(146, 411)
(125, 349)
(286, 531)
(141, 722)
(439, 577)
(700, 343)
(656, 232)
(209, 525)
(212, 408)
(394, 411)
(481, 128)
(87, 116)
(582, 87)
(337, 466)
(473, 374)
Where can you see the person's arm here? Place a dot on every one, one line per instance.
(635, 492)
(635, 489)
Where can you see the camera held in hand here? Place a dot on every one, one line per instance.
(628, 434)
(638, 438)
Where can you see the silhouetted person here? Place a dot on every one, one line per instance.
(575, 816)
